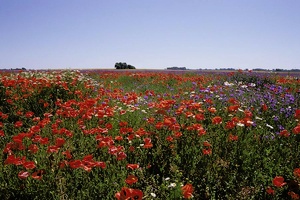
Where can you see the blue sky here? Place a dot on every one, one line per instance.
(49, 34)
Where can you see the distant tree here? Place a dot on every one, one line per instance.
(123, 65)
(176, 68)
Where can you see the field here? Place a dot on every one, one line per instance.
(149, 135)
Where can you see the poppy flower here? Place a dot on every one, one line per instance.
(100, 164)
(2, 133)
(118, 138)
(29, 165)
(233, 108)
(131, 179)
(29, 114)
(206, 151)
(217, 120)
(159, 125)
(230, 125)
(148, 143)
(264, 107)
(297, 114)
(177, 135)
(270, 191)
(53, 149)
(212, 109)
(68, 154)
(74, 164)
(23, 174)
(18, 124)
(284, 133)
(121, 155)
(132, 166)
(33, 148)
(297, 172)
(199, 117)
(38, 174)
(248, 114)
(294, 195)
(206, 144)
(131, 148)
(187, 190)
(233, 137)
(296, 130)
(59, 142)
(278, 181)
(129, 193)
(169, 138)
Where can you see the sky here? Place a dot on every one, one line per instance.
(150, 34)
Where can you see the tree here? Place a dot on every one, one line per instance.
(120, 65)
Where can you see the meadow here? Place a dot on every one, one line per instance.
(149, 135)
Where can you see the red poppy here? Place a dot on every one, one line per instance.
(264, 107)
(233, 108)
(284, 133)
(177, 135)
(270, 190)
(33, 148)
(233, 101)
(199, 117)
(2, 133)
(296, 130)
(148, 143)
(99, 164)
(68, 154)
(131, 148)
(38, 174)
(297, 172)
(118, 138)
(53, 149)
(206, 144)
(168, 122)
(129, 193)
(121, 155)
(217, 120)
(212, 109)
(233, 137)
(187, 190)
(131, 179)
(123, 123)
(59, 142)
(74, 164)
(206, 151)
(109, 126)
(132, 166)
(151, 120)
(159, 125)
(23, 174)
(12, 159)
(230, 125)
(278, 181)
(248, 113)
(62, 164)
(18, 124)
(294, 195)
(29, 165)
(201, 132)
(29, 114)
(169, 138)
(44, 140)
(297, 114)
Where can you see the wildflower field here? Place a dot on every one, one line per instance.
(149, 135)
